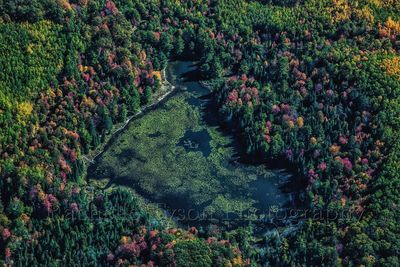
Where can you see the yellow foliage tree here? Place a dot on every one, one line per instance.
(65, 4)
(385, 3)
(340, 10)
(300, 122)
(393, 26)
(366, 14)
(392, 66)
(24, 110)
(157, 74)
(142, 56)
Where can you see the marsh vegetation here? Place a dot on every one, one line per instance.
(178, 156)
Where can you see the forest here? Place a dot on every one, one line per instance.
(315, 84)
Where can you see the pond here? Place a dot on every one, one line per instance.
(178, 156)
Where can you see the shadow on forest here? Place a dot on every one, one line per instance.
(266, 190)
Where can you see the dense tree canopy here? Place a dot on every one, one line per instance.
(313, 83)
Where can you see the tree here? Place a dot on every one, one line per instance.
(123, 113)
(192, 253)
(133, 100)
(146, 98)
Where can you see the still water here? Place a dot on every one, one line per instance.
(177, 155)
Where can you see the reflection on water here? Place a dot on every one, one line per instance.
(267, 188)
(197, 141)
(159, 162)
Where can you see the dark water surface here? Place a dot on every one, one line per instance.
(250, 190)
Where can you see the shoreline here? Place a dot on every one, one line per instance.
(107, 182)
(90, 158)
(167, 89)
